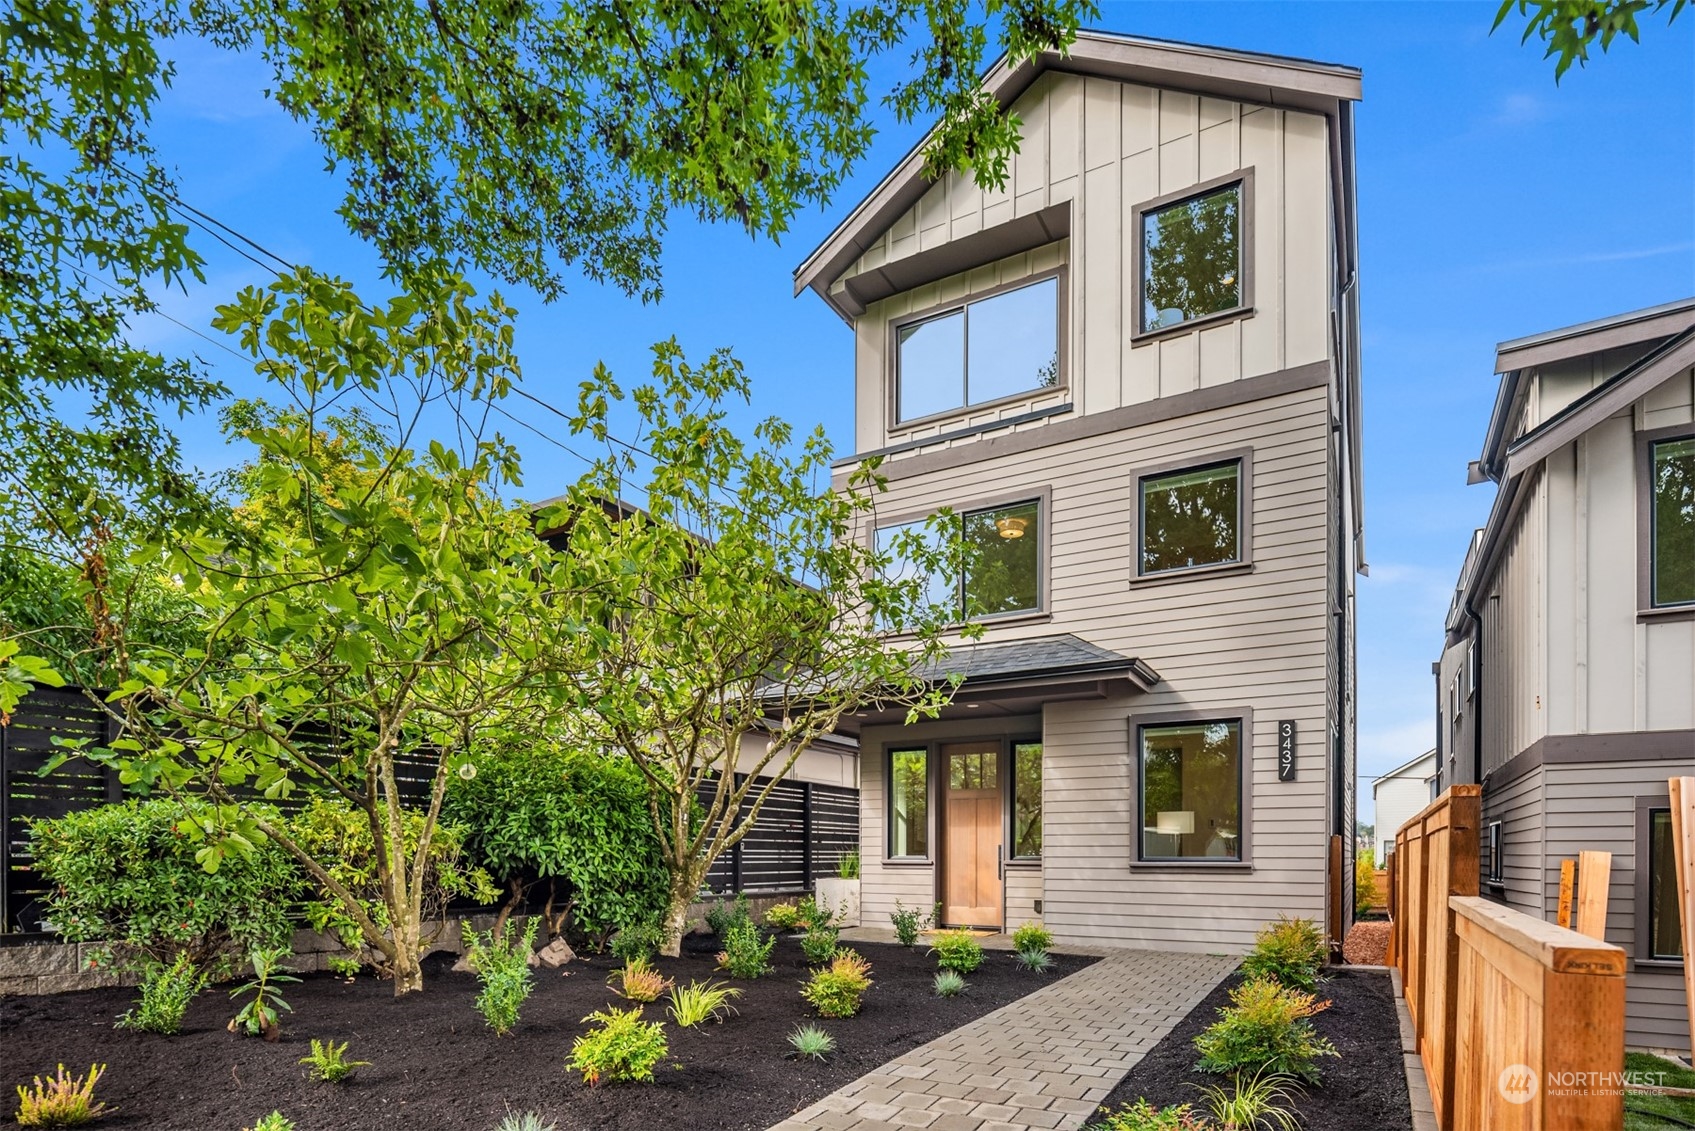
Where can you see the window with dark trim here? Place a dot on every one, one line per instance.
(983, 350)
(1671, 516)
(1026, 801)
(1192, 257)
(1496, 858)
(909, 803)
(1665, 937)
(1189, 784)
(1190, 517)
(1003, 574)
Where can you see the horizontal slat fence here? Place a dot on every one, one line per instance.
(1519, 1021)
(801, 832)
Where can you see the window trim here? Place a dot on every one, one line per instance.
(893, 424)
(1009, 838)
(1245, 241)
(1043, 498)
(930, 826)
(1495, 854)
(1244, 458)
(1645, 607)
(1646, 805)
(1244, 716)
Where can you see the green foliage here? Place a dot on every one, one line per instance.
(165, 994)
(61, 1100)
(276, 1121)
(1288, 951)
(819, 943)
(1571, 27)
(1144, 1116)
(1266, 1028)
(1193, 269)
(258, 1017)
(847, 865)
(811, 1042)
(1262, 1101)
(503, 970)
(524, 1121)
(1035, 961)
(727, 913)
(1032, 936)
(949, 983)
(128, 874)
(784, 917)
(639, 981)
(638, 938)
(700, 1002)
(835, 990)
(546, 812)
(957, 951)
(747, 951)
(344, 967)
(1365, 880)
(621, 1047)
(909, 923)
(328, 1062)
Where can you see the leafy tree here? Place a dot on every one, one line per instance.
(1571, 27)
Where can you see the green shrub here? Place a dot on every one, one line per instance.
(259, 1017)
(639, 981)
(835, 990)
(784, 917)
(276, 1121)
(621, 1047)
(747, 952)
(503, 969)
(847, 865)
(127, 874)
(61, 1100)
(1265, 1029)
(811, 1042)
(1251, 1103)
(1289, 951)
(344, 967)
(328, 1062)
(1035, 961)
(638, 940)
(1365, 880)
(1032, 936)
(909, 923)
(165, 994)
(728, 913)
(575, 818)
(949, 983)
(700, 1002)
(1144, 1116)
(819, 943)
(958, 951)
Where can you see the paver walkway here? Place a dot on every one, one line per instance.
(1044, 1061)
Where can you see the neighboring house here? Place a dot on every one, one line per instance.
(1567, 678)
(1400, 794)
(1133, 372)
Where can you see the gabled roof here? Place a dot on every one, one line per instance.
(1059, 656)
(1241, 76)
(1401, 770)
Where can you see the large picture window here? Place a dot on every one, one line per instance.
(1004, 572)
(981, 351)
(1191, 791)
(1188, 518)
(1665, 937)
(909, 803)
(1671, 470)
(1027, 800)
(1192, 257)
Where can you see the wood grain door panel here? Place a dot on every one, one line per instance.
(972, 773)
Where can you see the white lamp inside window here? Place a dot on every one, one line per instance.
(1175, 822)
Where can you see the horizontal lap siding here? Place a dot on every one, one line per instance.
(882, 884)
(1519, 807)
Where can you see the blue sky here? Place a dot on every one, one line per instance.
(1492, 204)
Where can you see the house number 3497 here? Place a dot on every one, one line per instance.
(1286, 750)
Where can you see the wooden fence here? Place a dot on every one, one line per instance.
(1520, 1022)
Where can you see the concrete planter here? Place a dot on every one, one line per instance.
(841, 898)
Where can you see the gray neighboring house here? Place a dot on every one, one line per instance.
(1158, 455)
(1566, 683)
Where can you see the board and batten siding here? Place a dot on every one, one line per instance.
(1104, 147)
(1514, 635)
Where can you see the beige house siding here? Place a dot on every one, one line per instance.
(1520, 807)
(1513, 636)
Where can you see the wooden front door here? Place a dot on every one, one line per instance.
(971, 831)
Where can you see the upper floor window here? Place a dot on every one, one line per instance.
(1190, 517)
(1003, 574)
(980, 351)
(1671, 469)
(1192, 254)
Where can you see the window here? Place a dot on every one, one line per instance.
(1665, 939)
(1027, 800)
(1190, 518)
(1496, 861)
(1470, 669)
(909, 803)
(1671, 512)
(983, 351)
(1003, 571)
(1191, 250)
(1191, 791)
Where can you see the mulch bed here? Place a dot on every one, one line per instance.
(1365, 1089)
(1367, 943)
(435, 1065)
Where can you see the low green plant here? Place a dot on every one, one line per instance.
(1266, 1028)
(1032, 936)
(1288, 951)
(503, 970)
(783, 917)
(165, 994)
(328, 1062)
(1366, 894)
(819, 944)
(949, 983)
(812, 914)
(909, 923)
(639, 938)
(1262, 1101)
(958, 951)
(639, 981)
(524, 1121)
(747, 952)
(276, 1121)
(847, 865)
(259, 1016)
(811, 1043)
(1035, 961)
(835, 991)
(621, 1047)
(1144, 1116)
(700, 1002)
(61, 1100)
(726, 913)
(344, 967)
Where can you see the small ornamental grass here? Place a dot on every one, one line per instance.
(835, 990)
(639, 981)
(700, 1002)
(949, 983)
(1289, 951)
(61, 1100)
(811, 1042)
(620, 1047)
(747, 952)
(957, 951)
(165, 994)
(258, 1017)
(327, 1062)
(909, 923)
(1035, 961)
(503, 969)
(1032, 936)
(847, 865)
(1265, 1029)
(1260, 1102)
(524, 1121)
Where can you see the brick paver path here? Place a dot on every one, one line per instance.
(1044, 1061)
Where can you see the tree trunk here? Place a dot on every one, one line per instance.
(408, 956)
(685, 882)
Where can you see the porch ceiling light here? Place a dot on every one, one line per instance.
(1011, 526)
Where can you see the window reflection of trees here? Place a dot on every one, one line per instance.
(1192, 259)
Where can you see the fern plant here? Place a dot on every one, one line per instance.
(328, 1062)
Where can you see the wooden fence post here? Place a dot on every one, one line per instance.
(1568, 890)
(1594, 873)
(1683, 878)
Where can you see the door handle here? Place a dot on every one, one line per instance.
(1000, 861)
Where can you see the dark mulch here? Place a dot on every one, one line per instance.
(435, 1065)
(1365, 1089)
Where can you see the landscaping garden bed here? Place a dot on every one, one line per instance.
(1364, 1088)
(436, 1065)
